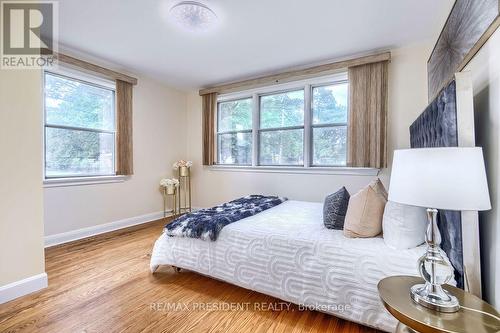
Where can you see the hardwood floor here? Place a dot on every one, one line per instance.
(103, 284)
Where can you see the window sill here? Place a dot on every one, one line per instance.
(80, 181)
(297, 170)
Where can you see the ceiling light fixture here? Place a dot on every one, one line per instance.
(193, 15)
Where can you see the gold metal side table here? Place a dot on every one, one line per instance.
(395, 294)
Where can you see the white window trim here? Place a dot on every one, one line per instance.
(308, 167)
(296, 170)
(77, 180)
(342, 76)
(82, 75)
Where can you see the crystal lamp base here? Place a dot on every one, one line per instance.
(434, 298)
(436, 271)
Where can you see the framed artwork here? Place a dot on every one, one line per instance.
(468, 27)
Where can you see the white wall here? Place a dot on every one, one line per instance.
(407, 99)
(485, 70)
(21, 203)
(159, 140)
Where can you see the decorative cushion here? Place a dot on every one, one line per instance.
(335, 208)
(404, 226)
(365, 211)
(378, 187)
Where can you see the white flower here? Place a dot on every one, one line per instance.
(169, 182)
(182, 163)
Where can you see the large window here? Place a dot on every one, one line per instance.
(79, 127)
(301, 126)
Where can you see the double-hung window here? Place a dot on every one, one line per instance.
(79, 126)
(281, 131)
(329, 125)
(234, 132)
(299, 125)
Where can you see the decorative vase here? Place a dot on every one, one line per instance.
(170, 189)
(183, 171)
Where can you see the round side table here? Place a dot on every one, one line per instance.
(395, 294)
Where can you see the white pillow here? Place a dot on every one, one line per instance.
(404, 226)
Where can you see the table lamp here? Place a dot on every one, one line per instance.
(438, 178)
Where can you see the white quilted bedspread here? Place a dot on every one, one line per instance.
(286, 252)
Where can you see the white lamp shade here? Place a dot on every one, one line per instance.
(442, 178)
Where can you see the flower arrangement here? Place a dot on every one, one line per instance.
(169, 185)
(182, 163)
(169, 182)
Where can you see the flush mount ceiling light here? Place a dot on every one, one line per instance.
(193, 16)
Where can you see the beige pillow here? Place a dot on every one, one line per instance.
(365, 211)
(378, 187)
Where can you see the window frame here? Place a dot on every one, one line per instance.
(91, 80)
(327, 125)
(275, 129)
(307, 86)
(218, 133)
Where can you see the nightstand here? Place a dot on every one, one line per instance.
(395, 294)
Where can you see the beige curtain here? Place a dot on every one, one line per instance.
(367, 134)
(124, 151)
(209, 112)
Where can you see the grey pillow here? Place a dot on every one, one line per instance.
(335, 208)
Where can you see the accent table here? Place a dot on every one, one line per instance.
(394, 292)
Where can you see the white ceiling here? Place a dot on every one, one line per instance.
(253, 36)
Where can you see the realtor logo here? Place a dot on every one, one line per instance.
(29, 34)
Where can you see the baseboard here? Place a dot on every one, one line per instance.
(23, 287)
(73, 235)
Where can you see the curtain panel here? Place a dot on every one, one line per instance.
(209, 112)
(124, 151)
(367, 129)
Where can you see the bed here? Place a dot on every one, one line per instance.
(286, 252)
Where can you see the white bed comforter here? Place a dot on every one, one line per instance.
(286, 252)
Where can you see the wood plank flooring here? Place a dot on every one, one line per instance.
(103, 284)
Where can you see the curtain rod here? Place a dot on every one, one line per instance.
(293, 75)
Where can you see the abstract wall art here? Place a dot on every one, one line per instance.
(469, 25)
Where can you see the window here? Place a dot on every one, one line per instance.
(234, 132)
(304, 126)
(281, 132)
(79, 127)
(329, 125)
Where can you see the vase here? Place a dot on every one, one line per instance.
(183, 171)
(170, 189)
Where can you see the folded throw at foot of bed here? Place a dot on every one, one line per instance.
(207, 223)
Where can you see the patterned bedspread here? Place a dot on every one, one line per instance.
(207, 223)
(288, 253)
